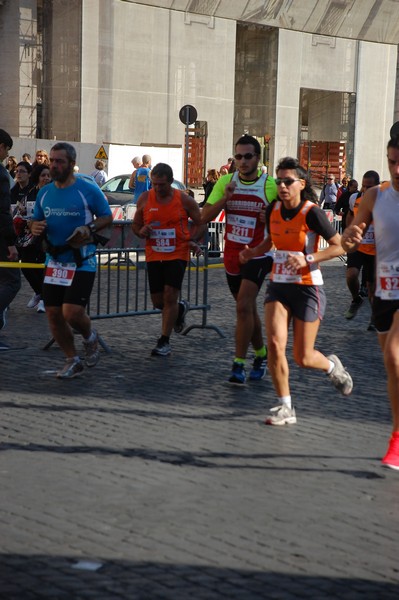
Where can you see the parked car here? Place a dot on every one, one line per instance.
(117, 189)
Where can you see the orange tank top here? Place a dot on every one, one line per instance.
(170, 236)
(294, 236)
(367, 245)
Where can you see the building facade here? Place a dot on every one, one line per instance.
(294, 74)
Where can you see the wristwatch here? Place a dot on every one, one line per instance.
(92, 227)
(309, 258)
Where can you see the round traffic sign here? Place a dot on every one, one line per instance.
(188, 114)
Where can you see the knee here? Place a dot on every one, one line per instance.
(391, 360)
(244, 308)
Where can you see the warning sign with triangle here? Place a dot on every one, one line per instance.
(101, 154)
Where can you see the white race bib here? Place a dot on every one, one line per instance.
(388, 275)
(240, 229)
(59, 273)
(281, 274)
(163, 240)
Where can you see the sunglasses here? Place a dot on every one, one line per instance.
(286, 180)
(247, 156)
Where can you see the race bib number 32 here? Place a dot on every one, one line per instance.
(388, 275)
(59, 273)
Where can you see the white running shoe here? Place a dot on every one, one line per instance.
(281, 415)
(34, 301)
(40, 307)
(340, 377)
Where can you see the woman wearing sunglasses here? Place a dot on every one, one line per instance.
(295, 291)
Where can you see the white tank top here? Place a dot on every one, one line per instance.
(386, 227)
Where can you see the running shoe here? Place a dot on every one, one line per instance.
(353, 308)
(72, 368)
(40, 307)
(3, 319)
(180, 321)
(340, 377)
(92, 352)
(281, 415)
(161, 349)
(238, 374)
(258, 370)
(34, 301)
(371, 326)
(363, 292)
(391, 459)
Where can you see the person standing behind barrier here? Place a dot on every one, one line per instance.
(99, 175)
(295, 291)
(10, 279)
(244, 195)
(342, 205)
(364, 257)
(142, 180)
(162, 218)
(136, 162)
(29, 247)
(380, 205)
(328, 195)
(64, 212)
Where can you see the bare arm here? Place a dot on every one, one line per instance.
(211, 211)
(197, 227)
(353, 234)
(138, 226)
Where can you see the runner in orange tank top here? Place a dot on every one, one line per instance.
(295, 292)
(162, 219)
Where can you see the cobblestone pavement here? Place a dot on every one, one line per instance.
(150, 478)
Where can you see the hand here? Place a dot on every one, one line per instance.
(145, 231)
(195, 248)
(246, 255)
(295, 262)
(12, 253)
(37, 227)
(80, 236)
(353, 234)
(229, 190)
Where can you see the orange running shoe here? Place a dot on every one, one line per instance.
(391, 459)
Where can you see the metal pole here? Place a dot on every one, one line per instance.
(186, 154)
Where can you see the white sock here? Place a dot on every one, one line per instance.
(332, 366)
(91, 337)
(286, 401)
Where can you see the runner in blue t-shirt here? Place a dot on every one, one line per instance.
(68, 212)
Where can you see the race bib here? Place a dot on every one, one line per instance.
(281, 274)
(388, 274)
(368, 237)
(59, 273)
(163, 240)
(240, 229)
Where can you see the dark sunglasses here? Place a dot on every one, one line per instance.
(286, 180)
(247, 156)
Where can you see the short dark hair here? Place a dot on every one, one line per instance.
(246, 139)
(36, 172)
(162, 169)
(69, 149)
(372, 175)
(393, 142)
(5, 139)
(25, 165)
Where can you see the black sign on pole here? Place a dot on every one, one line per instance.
(187, 115)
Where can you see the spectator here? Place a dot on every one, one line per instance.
(328, 195)
(10, 279)
(224, 169)
(342, 205)
(41, 158)
(342, 188)
(211, 178)
(11, 165)
(27, 158)
(142, 181)
(99, 175)
(136, 162)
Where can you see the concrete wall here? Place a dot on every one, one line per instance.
(141, 64)
(338, 65)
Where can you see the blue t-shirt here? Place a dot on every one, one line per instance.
(64, 209)
(142, 182)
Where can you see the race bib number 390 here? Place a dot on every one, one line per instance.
(59, 273)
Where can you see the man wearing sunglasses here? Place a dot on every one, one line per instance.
(244, 196)
(10, 279)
